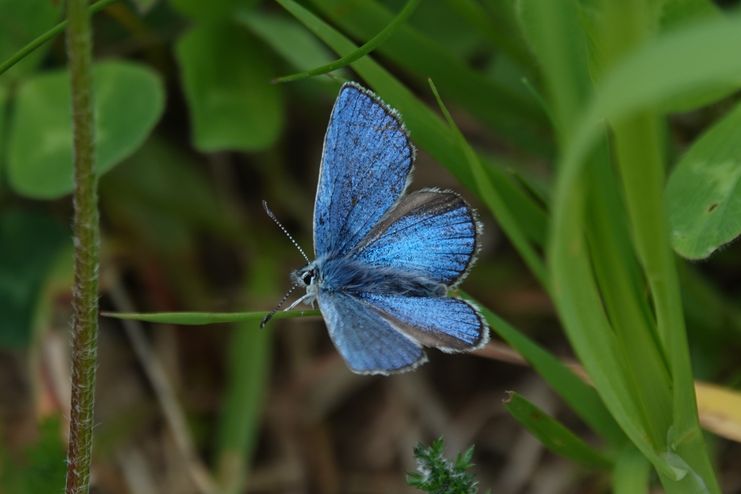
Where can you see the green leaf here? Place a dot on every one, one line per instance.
(201, 318)
(703, 195)
(21, 22)
(553, 434)
(226, 76)
(685, 60)
(30, 244)
(129, 100)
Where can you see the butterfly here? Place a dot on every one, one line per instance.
(385, 259)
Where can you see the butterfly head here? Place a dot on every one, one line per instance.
(308, 276)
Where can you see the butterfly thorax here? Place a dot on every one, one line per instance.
(346, 275)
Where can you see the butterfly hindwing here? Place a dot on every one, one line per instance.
(449, 324)
(430, 232)
(367, 342)
(366, 164)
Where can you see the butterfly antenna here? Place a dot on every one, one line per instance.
(272, 217)
(270, 314)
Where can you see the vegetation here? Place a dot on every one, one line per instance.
(600, 140)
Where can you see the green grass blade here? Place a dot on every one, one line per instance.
(580, 397)
(363, 50)
(700, 56)
(493, 200)
(677, 63)
(554, 435)
(621, 286)
(631, 474)
(560, 48)
(46, 37)
(428, 129)
(497, 25)
(289, 40)
(514, 116)
(247, 378)
(232, 105)
(587, 326)
(201, 318)
(554, 33)
(248, 371)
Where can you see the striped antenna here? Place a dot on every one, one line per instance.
(270, 314)
(272, 217)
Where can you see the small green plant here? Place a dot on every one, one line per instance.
(438, 475)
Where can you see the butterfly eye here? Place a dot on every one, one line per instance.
(307, 277)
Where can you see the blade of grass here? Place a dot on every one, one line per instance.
(493, 200)
(676, 63)
(621, 286)
(363, 50)
(47, 36)
(589, 330)
(631, 474)
(248, 375)
(582, 398)
(670, 65)
(289, 40)
(427, 129)
(201, 318)
(560, 44)
(420, 55)
(248, 371)
(554, 435)
(498, 26)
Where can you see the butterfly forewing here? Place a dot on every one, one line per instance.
(366, 162)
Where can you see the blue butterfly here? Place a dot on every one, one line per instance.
(385, 260)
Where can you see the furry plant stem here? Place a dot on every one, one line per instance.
(86, 239)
